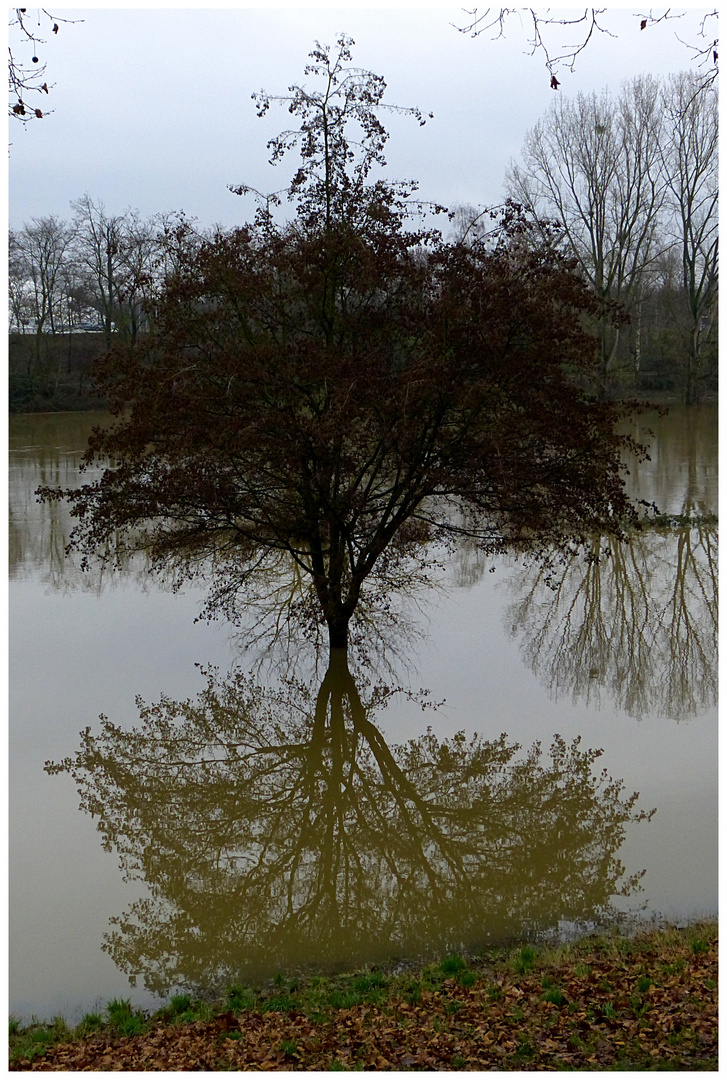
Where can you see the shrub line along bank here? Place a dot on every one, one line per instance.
(57, 378)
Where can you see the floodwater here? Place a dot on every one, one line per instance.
(232, 824)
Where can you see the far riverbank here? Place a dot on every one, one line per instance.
(51, 373)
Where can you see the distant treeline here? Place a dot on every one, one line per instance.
(629, 181)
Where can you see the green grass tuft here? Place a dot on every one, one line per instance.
(90, 1023)
(279, 1003)
(374, 980)
(525, 959)
(122, 1017)
(555, 996)
(453, 964)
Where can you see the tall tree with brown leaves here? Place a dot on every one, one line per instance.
(345, 388)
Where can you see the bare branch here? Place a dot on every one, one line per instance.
(537, 43)
(543, 40)
(27, 79)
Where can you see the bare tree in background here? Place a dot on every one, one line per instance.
(138, 252)
(593, 163)
(43, 245)
(120, 257)
(690, 151)
(25, 81)
(97, 273)
(545, 31)
(38, 253)
(468, 223)
(99, 250)
(18, 277)
(76, 302)
(178, 238)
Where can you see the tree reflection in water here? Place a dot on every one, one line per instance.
(638, 619)
(277, 829)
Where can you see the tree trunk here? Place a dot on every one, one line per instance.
(338, 632)
(691, 395)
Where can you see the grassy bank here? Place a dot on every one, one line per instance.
(602, 1003)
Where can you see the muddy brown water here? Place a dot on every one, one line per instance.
(387, 851)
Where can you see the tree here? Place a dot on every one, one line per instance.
(76, 299)
(139, 249)
(18, 277)
(44, 243)
(99, 250)
(118, 254)
(594, 163)
(346, 388)
(173, 239)
(320, 843)
(690, 151)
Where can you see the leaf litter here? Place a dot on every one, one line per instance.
(603, 1003)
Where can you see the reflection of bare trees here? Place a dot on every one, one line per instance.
(638, 619)
(278, 828)
(47, 450)
(680, 474)
(42, 450)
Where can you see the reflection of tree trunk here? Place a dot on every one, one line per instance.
(403, 791)
(693, 387)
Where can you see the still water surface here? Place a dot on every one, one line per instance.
(338, 822)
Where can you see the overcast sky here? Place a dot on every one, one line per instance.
(152, 106)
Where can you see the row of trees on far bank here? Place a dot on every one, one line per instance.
(633, 181)
(96, 272)
(74, 287)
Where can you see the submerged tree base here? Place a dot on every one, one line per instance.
(602, 1003)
